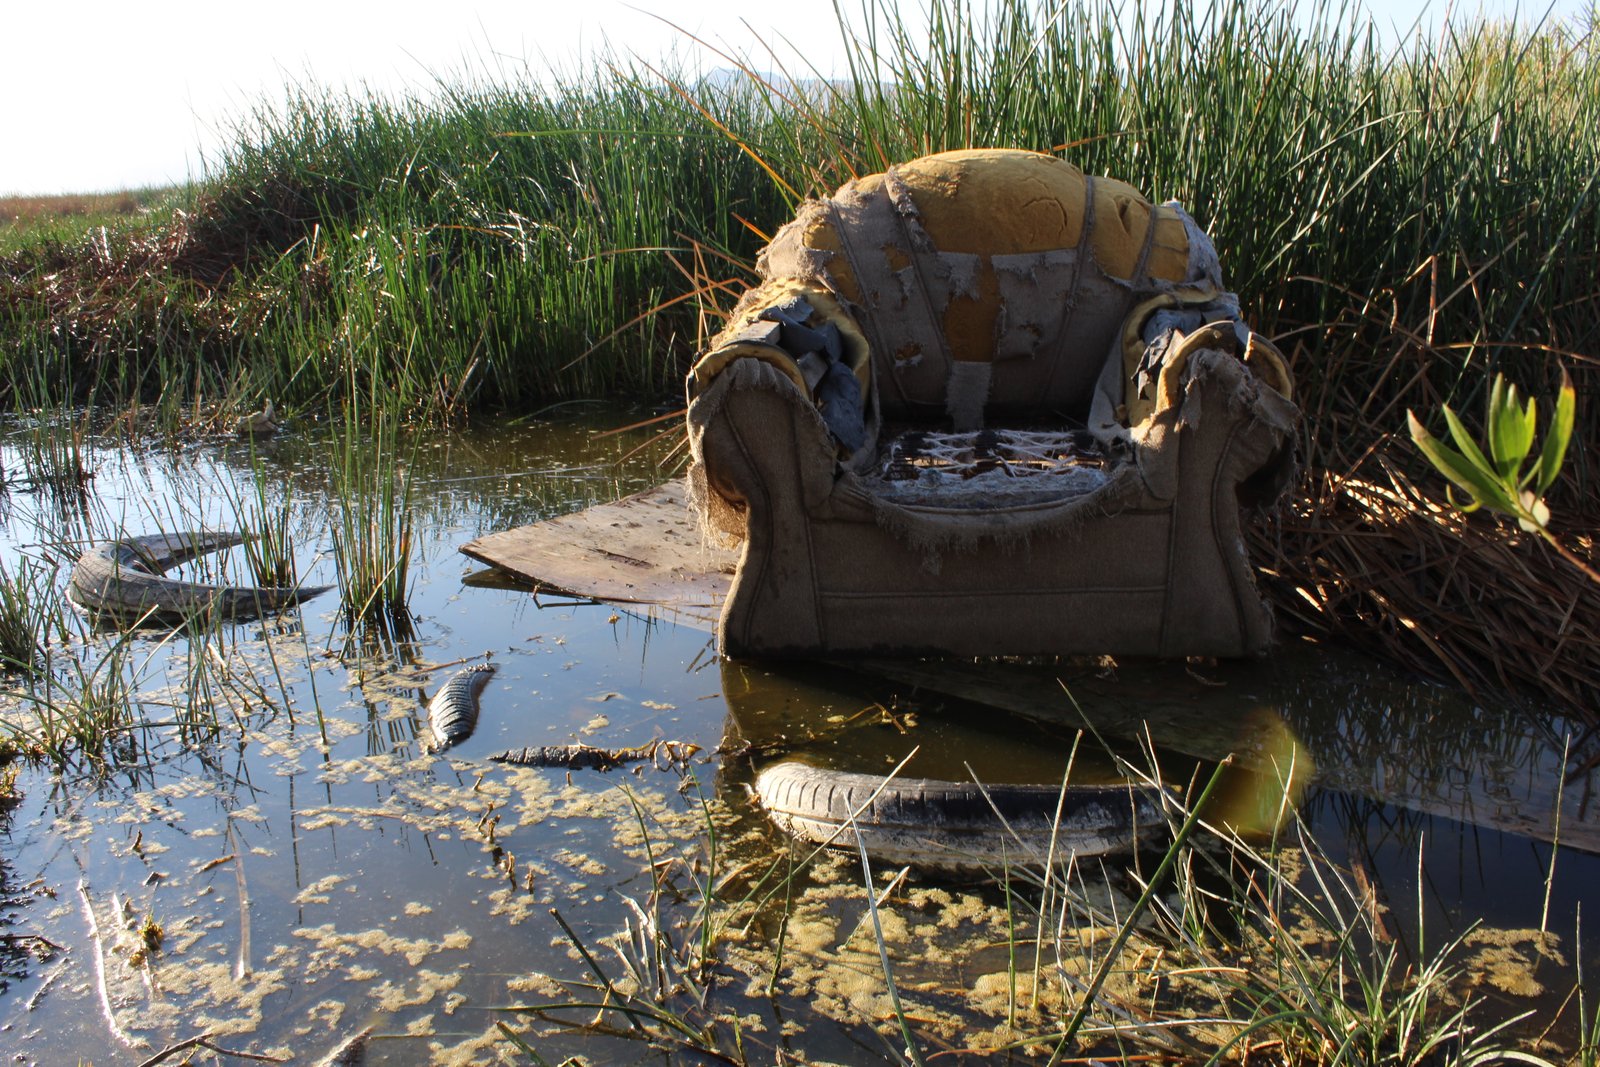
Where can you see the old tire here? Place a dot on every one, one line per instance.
(957, 826)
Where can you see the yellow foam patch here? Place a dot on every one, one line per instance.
(1121, 222)
(821, 235)
(994, 202)
(1169, 250)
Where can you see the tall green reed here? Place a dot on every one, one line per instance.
(85, 709)
(1404, 219)
(1402, 216)
(29, 611)
(373, 529)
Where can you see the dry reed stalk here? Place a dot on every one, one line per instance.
(1372, 559)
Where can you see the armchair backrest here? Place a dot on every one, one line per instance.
(991, 280)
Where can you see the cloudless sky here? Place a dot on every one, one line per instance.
(97, 95)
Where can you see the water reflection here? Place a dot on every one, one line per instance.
(1367, 730)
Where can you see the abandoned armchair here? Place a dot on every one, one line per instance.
(982, 404)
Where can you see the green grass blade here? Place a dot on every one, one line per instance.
(1557, 435)
(1474, 478)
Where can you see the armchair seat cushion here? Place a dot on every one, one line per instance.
(982, 469)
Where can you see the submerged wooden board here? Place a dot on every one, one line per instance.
(642, 549)
(647, 550)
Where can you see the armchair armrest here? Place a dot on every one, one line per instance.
(763, 465)
(1215, 414)
(757, 440)
(1218, 430)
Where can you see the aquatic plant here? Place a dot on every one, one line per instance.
(1411, 219)
(501, 232)
(83, 711)
(265, 514)
(55, 452)
(1497, 481)
(1222, 945)
(372, 532)
(27, 611)
(664, 996)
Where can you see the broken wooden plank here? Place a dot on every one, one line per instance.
(643, 549)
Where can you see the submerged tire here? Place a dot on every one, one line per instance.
(957, 826)
(453, 711)
(123, 580)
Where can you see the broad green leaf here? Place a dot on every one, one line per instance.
(1530, 424)
(1472, 504)
(1498, 419)
(1524, 442)
(1557, 435)
(1511, 428)
(1469, 447)
(1475, 479)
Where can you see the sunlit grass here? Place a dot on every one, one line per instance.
(31, 220)
(85, 708)
(1402, 218)
(30, 609)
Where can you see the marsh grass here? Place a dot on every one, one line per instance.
(1395, 215)
(1220, 948)
(55, 452)
(265, 515)
(30, 610)
(84, 713)
(664, 995)
(1405, 220)
(31, 219)
(95, 701)
(373, 530)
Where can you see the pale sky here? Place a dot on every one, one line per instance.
(97, 95)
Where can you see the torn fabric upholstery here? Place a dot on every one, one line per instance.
(981, 404)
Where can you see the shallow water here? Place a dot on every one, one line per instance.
(316, 872)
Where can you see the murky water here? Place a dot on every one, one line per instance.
(314, 871)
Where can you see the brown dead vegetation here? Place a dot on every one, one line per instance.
(25, 210)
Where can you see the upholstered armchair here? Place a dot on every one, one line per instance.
(982, 404)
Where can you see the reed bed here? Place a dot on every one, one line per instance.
(29, 611)
(372, 533)
(1406, 220)
(1372, 557)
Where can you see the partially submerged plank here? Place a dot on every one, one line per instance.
(642, 549)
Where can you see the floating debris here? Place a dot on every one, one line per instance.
(453, 711)
(579, 757)
(351, 1051)
(124, 580)
(263, 423)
